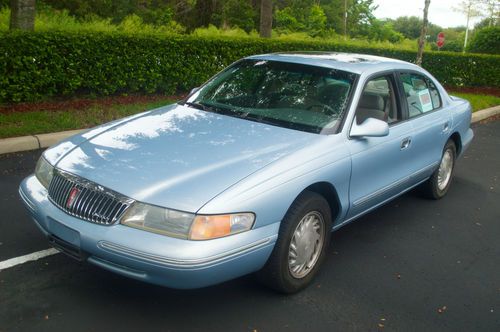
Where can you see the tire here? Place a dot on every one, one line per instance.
(284, 273)
(438, 184)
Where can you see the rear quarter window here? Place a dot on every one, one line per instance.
(421, 94)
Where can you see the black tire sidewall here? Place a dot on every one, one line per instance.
(305, 203)
(436, 192)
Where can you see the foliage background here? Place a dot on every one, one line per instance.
(298, 19)
(106, 47)
(39, 65)
(486, 40)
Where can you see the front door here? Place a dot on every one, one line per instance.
(381, 166)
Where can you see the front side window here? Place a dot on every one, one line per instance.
(378, 101)
(289, 95)
(421, 94)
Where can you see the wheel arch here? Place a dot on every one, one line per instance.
(328, 191)
(455, 137)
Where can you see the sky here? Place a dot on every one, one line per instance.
(440, 11)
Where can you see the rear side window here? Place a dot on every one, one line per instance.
(421, 94)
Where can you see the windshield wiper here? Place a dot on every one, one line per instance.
(234, 112)
(194, 105)
(200, 106)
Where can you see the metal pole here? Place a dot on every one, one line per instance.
(467, 26)
(345, 19)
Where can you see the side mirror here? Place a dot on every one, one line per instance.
(371, 127)
(193, 90)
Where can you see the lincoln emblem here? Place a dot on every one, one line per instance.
(72, 196)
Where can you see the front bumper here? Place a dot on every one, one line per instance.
(147, 256)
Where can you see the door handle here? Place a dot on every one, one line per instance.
(405, 143)
(446, 126)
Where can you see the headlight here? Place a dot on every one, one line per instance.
(159, 220)
(44, 172)
(186, 225)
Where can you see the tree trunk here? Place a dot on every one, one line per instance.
(266, 18)
(423, 33)
(22, 14)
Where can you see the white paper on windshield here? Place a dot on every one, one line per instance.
(425, 100)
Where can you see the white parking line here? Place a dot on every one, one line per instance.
(27, 258)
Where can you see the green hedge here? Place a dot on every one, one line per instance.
(486, 40)
(35, 66)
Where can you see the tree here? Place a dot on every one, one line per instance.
(486, 40)
(334, 11)
(383, 30)
(486, 22)
(298, 12)
(201, 14)
(360, 17)
(236, 13)
(410, 27)
(423, 33)
(285, 21)
(266, 18)
(491, 9)
(309, 19)
(471, 9)
(22, 15)
(316, 21)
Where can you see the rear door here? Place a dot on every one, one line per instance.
(431, 122)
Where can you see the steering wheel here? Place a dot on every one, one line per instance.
(328, 109)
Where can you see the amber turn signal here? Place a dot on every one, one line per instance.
(207, 227)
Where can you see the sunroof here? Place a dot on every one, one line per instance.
(341, 57)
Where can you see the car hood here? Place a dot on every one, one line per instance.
(176, 156)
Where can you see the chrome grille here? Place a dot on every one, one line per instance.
(86, 200)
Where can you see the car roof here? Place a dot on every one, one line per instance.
(356, 63)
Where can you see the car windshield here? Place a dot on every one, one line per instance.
(290, 95)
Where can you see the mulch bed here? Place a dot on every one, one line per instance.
(494, 91)
(83, 103)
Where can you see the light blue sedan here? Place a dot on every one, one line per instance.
(251, 172)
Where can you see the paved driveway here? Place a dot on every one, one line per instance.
(412, 265)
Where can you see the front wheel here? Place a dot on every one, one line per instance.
(438, 184)
(302, 242)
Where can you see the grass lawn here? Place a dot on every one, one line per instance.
(46, 121)
(478, 102)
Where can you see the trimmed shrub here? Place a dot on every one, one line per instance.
(486, 40)
(36, 66)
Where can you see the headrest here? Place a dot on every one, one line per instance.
(371, 101)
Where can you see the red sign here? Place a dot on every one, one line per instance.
(440, 40)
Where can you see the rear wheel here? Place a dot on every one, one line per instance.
(438, 184)
(302, 242)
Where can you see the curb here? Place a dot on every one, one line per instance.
(483, 114)
(33, 142)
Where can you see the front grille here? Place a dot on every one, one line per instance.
(86, 200)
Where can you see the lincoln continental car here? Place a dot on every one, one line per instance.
(250, 172)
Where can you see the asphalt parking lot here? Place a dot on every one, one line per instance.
(412, 265)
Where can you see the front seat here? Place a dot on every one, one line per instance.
(370, 106)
